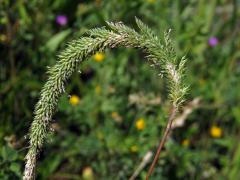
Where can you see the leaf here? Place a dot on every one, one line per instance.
(51, 164)
(55, 41)
(16, 168)
(8, 154)
(24, 16)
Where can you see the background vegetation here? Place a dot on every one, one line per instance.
(113, 114)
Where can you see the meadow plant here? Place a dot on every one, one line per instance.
(160, 54)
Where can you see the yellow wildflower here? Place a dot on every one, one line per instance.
(116, 117)
(216, 131)
(134, 148)
(140, 124)
(74, 100)
(98, 89)
(185, 142)
(151, 1)
(99, 57)
(87, 173)
(114, 114)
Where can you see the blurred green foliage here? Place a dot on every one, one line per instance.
(98, 137)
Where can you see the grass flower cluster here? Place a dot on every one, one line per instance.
(160, 53)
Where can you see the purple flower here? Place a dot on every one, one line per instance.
(61, 20)
(212, 41)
